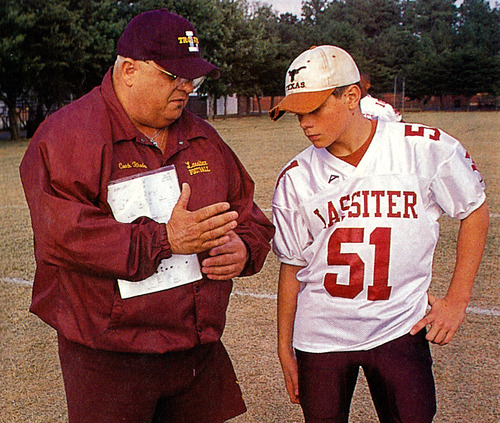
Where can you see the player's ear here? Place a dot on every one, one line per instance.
(353, 95)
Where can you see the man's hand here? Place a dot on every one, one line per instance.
(444, 319)
(193, 232)
(227, 260)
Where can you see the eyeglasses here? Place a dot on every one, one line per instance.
(196, 82)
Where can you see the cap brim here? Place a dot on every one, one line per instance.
(189, 68)
(301, 103)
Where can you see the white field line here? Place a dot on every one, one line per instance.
(13, 206)
(17, 281)
(470, 310)
(255, 295)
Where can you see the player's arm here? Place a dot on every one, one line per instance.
(288, 289)
(446, 314)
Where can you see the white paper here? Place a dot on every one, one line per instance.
(152, 194)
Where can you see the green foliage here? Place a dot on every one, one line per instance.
(58, 50)
(14, 64)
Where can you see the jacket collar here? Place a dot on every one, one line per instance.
(122, 126)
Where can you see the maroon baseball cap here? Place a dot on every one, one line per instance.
(169, 40)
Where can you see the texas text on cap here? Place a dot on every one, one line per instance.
(313, 76)
(167, 39)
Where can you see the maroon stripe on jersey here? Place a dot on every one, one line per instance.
(295, 163)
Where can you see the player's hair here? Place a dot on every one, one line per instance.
(340, 90)
(366, 77)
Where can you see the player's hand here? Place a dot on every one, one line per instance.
(291, 374)
(444, 318)
(227, 260)
(193, 232)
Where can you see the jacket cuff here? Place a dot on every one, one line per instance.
(166, 251)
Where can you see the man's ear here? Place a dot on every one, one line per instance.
(353, 95)
(128, 70)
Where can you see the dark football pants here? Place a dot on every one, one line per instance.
(198, 385)
(399, 375)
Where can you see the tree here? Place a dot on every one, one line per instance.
(99, 26)
(50, 46)
(218, 37)
(70, 46)
(371, 17)
(57, 51)
(434, 20)
(312, 9)
(14, 66)
(474, 72)
(275, 53)
(429, 75)
(479, 26)
(477, 55)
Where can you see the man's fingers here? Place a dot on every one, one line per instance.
(210, 211)
(217, 226)
(212, 243)
(218, 275)
(227, 260)
(183, 200)
(196, 231)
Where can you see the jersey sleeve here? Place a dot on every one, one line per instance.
(373, 108)
(457, 186)
(292, 236)
(391, 114)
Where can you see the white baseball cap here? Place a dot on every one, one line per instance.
(313, 76)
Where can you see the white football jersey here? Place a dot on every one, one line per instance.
(366, 235)
(373, 108)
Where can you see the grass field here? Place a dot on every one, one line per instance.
(466, 371)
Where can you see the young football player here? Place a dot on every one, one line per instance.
(356, 218)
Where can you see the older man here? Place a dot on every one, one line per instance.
(157, 356)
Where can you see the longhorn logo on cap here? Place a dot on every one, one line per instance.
(294, 72)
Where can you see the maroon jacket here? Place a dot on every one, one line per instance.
(81, 250)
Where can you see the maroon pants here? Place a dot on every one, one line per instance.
(193, 386)
(399, 375)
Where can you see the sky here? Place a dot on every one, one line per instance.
(283, 6)
(295, 6)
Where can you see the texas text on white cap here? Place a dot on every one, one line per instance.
(313, 76)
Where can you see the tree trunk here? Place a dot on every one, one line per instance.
(13, 119)
(468, 99)
(259, 105)
(211, 107)
(35, 118)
